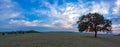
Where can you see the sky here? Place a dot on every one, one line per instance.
(54, 15)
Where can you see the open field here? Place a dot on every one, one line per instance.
(58, 40)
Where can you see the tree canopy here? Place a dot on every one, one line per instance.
(95, 22)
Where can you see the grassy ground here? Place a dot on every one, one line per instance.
(58, 40)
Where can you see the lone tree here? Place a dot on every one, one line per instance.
(94, 22)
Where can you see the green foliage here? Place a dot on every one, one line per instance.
(92, 20)
(89, 20)
(82, 26)
(95, 21)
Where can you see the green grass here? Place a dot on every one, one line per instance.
(58, 40)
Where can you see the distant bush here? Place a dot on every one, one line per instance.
(3, 33)
(31, 31)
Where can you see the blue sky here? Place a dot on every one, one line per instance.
(52, 15)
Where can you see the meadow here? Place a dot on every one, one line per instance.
(53, 39)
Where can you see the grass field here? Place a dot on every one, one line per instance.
(58, 40)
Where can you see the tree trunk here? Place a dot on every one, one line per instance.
(95, 34)
(95, 31)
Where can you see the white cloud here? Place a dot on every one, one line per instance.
(116, 28)
(65, 15)
(102, 8)
(9, 9)
(24, 22)
(68, 13)
(61, 24)
(116, 9)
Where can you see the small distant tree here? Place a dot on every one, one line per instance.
(95, 21)
(3, 33)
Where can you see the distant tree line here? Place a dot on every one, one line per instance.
(19, 32)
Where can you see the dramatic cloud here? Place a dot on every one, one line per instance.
(67, 14)
(57, 14)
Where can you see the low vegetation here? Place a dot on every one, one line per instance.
(19, 32)
(53, 39)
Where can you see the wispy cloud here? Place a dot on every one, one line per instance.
(56, 14)
(24, 23)
(102, 8)
(67, 14)
(9, 9)
(116, 9)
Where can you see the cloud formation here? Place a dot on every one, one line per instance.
(116, 9)
(102, 8)
(53, 14)
(24, 23)
(9, 9)
(67, 14)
